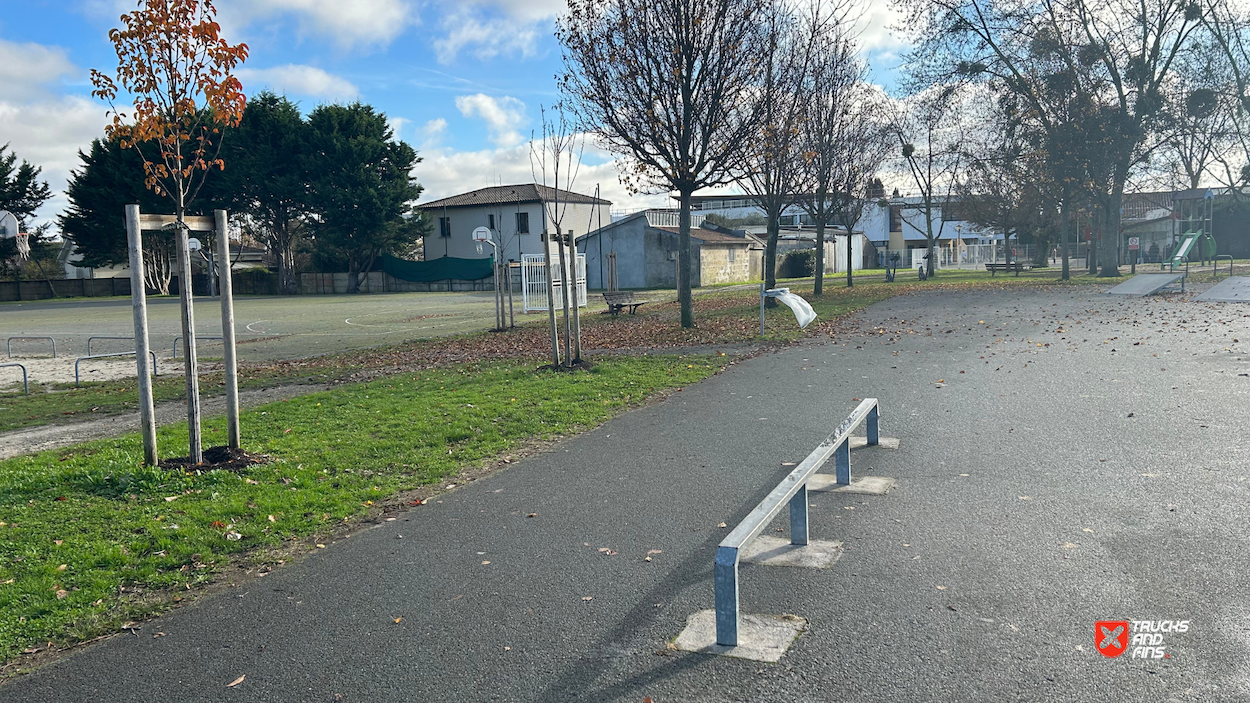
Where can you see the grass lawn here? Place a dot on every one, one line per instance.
(723, 316)
(89, 538)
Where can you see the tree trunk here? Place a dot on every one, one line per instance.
(1108, 254)
(850, 264)
(283, 249)
(186, 298)
(684, 298)
(564, 288)
(770, 257)
(1063, 239)
(818, 288)
(353, 276)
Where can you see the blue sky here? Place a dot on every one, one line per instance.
(462, 81)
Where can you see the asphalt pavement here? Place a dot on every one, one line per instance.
(1066, 458)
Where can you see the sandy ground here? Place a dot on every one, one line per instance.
(37, 439)
(61, 369)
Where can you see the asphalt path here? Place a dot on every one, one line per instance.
(1029, 504)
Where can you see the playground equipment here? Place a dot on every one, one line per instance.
(1193, 246)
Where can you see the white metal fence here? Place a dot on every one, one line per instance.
(534, 282)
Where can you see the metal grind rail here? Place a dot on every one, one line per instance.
(198, 339)
(79, 360)
(25, 383)
(120, 339)
(792, 490)
(9, 344)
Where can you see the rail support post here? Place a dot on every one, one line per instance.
(842, 462)
(798, 517)
(726, 578)
(874, 417)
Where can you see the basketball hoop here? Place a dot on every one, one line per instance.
(479, 247)
(23, 246)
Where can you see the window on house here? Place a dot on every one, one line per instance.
(444, 226)
(733, 255)
(490, 221)
(523, 223)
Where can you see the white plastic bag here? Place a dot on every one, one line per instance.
(802, 311)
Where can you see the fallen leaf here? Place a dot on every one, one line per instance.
(1026, 497)
(1069, 545)
(7, 582)
(274, 519)
(159, 634)
(217, 524)
(62, 567)
(251, 482)
(170, 499)
(58, 542)
(655, 551)
(507, 649)
(60, 595)
(722, 525)
(236, 682)
(485, 563)
(399, 619)
(233, 536)
(941, 588)
(531, 514)
(588, 598)
(321, 546)
(1086, 529)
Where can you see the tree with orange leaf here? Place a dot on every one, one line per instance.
(172, 59)
(173, 62)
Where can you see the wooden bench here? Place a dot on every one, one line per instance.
(1016, 266)
(621, 299)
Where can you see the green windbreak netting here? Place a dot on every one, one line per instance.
(437, 269)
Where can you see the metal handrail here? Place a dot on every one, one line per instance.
(1215, 264)
(198, 338)
(25, 384)
(91, 339)
(792, 489)
(9, 344)
(79, 360)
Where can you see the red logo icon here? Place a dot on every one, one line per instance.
(1111, 637)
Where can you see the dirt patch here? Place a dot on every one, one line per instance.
(215, 458)
(37, 439)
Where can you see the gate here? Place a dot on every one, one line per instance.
(534, 283)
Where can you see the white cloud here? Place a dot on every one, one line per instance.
(503, 116)
(488, 37)
(49, 133)
(26, 69)
(349, 23)
(876, 26)
(432, 134)
(293, 79)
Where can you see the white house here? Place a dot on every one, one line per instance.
(518, 216)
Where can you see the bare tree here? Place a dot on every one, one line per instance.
(836, 71)
(774, 164)
(665, 84)
(559, 153)
(864, 146)
(1228, 30)
(1117, 55)
(930, 137)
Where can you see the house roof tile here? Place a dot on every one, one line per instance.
(512, 195)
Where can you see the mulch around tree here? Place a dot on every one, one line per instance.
(222, 457)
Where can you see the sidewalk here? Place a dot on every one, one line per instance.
(982, 586)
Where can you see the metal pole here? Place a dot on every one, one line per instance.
(139, 306)
(842, 462)
(187, 297)
(221, 222)
(761, 308)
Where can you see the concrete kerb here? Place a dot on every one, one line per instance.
(766, 637)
